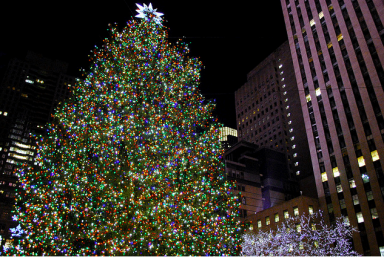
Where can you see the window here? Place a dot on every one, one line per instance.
(318, 92)
(359, 217)
(352, 183)
(342, 204)
(259, 223)
(324, 177)
(321, 15)
(375, 155)
(308, 97)
(361, 161)
(267, 221)
(286, 214)
(298, 228)
(312, 22)
(369, 195)
(365, 178)
(276, 217)
(296, 211)
(336, 172)
(310, 209)
(355, 199)
(374, 214)
(339, 188)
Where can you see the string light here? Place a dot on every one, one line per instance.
(132, 162)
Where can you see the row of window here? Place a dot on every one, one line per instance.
(285, 216)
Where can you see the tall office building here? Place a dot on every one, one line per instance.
(29, 92)
(269, 114)
(338, 57)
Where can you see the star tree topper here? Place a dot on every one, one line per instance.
(147, 13)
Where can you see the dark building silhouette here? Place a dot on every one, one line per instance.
(29, 92)
(338, 56)
(261, 175)
(269, 114)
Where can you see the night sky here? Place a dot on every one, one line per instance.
(229, 38)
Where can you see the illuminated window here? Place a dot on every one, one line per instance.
(375, 155)
(365, 178)
(329, 44)
(259, 223)
(295, 155)
(374, 214)
(336, 172)
(361, 161)
(281, 73)
(359, 217)
(296, 164)
(339, 188)
(292, 138)
(5, 113)
(290, 122)
(282, 79)
(296, 211)
(352, 183)
(280, 66)
(298, 228)
(308, 97)
(285, 92)
(291, 130)
(289, 114)
(346, 220)
(297, 173)
(286, 214)
(29, 81)
(321, 15)
(310, 209)
(287, 107)
(318, 92)
(286, 100)
(312, 22)
(267, 221)
(324, 177)
(283, 86)
(339, 37)
(294, 146)
(277, 217)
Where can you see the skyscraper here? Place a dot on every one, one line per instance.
(29, 92)
(269, 114)
(338, 56)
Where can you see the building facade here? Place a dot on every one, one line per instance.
(261, 176)
(338, 57)
(29, 92)
(272, 217)
(228, 137)
(268, 113)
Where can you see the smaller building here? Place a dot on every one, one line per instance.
(271, 217)
(228, 137)
(261, 177)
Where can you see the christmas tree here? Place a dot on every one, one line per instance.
(131, 163)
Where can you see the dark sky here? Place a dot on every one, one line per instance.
(230, 38)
